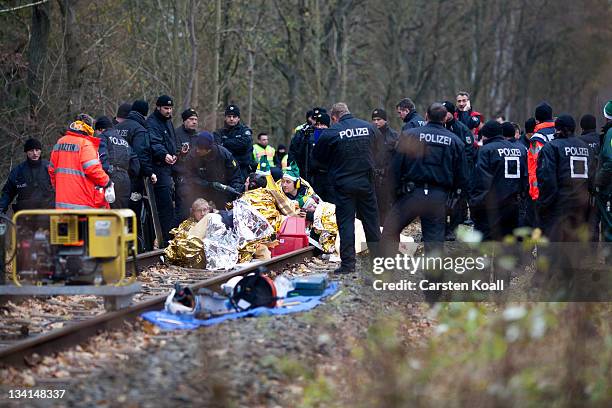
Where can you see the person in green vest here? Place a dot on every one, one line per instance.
(262, 148)
(603, 179)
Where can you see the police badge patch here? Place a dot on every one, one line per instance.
(247, 132)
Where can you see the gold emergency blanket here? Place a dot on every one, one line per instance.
(325, 225)
(185, 250)
(272, 204)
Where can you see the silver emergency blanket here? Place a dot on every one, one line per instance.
(224, 247)
(249, 224)
(220, 244)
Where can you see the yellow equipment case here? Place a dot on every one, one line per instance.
(73, 246)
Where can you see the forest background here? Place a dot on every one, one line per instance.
(278, 58)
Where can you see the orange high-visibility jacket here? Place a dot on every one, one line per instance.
(75, 171)
(543, 133)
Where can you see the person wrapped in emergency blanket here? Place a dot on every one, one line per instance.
(247, 229)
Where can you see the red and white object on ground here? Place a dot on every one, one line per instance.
(292, 236)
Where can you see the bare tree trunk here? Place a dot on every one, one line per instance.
(215, 74)
(71, 56)
(317, 51)
(37, 54)
(191, 94)
(251, 73)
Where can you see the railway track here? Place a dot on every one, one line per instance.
(86, 325)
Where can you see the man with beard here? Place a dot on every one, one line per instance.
(385, 148)
(186, 134)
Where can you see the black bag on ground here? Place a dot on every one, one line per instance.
(254, 290)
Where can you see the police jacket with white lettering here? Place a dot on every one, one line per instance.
(133, 130)
(500, 174)
(593, 140)
(565, 168)
(348, 147)
(30, 183)
(163, 140)
(431, 155)
(116, 155)
(412, 120)
(239, 141)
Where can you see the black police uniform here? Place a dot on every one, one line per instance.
(134, 131)
(428, 165)
(460, 209)
(385, 149)
(30, 183)
(300, 152)
(121, 164)
(185, 141)
(163, 142)
(564, 171)
(239, 141)
(413, 120)
(591, 137)
(348, 148)
(201, 172)
(499, 179)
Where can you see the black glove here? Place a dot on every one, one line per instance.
(222, 187)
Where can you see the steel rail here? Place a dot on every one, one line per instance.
(19, 354)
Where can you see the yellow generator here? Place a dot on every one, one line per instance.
(73, 246)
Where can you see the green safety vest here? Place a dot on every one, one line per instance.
(259, 151)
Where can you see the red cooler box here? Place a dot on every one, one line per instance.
(292, 236)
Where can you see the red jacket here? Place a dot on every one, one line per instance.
(543, 133)
(75, 171)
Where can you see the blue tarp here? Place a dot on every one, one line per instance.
(169, 321)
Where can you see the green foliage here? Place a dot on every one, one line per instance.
(524, 354)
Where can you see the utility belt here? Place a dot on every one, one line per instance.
(410, 186)
(114, 168)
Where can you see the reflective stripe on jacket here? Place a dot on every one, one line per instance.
(543, 133)
(75, 170)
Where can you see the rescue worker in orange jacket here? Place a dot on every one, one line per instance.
(75, 168)
(544, 132)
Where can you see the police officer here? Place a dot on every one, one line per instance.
(499, 179)
(118, 160)
(238, 139)
(164, 154)
(407, 112)
(302, 144)
(565, 167)
(29, 182)
(385, 148)
(186, 134)
(210, 169)
(133, 130)
(321, 182)
(588, 124)
(347, 146)
(459, 212)
(429, 165)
